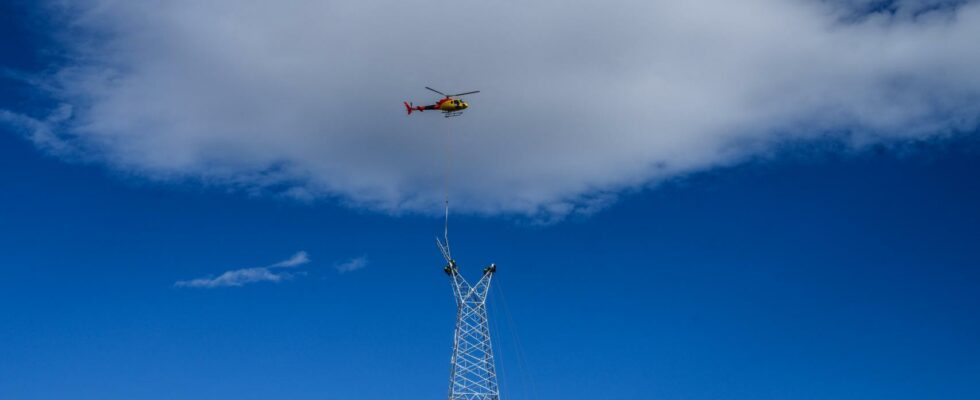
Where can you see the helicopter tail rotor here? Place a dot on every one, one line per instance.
(408, 108)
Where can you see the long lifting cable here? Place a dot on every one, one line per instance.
(447, 169)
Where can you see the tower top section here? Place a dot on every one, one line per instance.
(452, 269)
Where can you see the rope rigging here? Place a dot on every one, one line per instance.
(529, 389)
(447, 169)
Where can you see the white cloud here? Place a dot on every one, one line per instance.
(241, 277)
(41, 132)
(238, 277)
(580, 100)
(299, 258)
(353, 264)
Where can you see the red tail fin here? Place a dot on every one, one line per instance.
(408, 107)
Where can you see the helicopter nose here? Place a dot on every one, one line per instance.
(466, 105)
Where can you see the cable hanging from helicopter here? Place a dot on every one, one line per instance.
(450, 107)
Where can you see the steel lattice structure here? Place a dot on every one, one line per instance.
(472, 376)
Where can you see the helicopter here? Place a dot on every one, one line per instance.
(449, 106)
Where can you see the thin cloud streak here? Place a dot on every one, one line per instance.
(299, 258)
(244, 276)
(351, 265)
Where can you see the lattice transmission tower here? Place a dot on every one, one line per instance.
(472, 375)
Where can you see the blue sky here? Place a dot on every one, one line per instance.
(813, 268)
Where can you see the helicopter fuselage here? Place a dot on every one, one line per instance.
(448, 105)
(445, 105)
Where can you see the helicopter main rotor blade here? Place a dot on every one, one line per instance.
(463, 94)
(437, 91)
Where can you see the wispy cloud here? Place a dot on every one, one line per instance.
(244, 276)
(353, 264)
(41, 131)
(299, 258)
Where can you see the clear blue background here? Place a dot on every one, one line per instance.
(816, 274)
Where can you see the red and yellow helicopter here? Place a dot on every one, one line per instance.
(449, 106)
